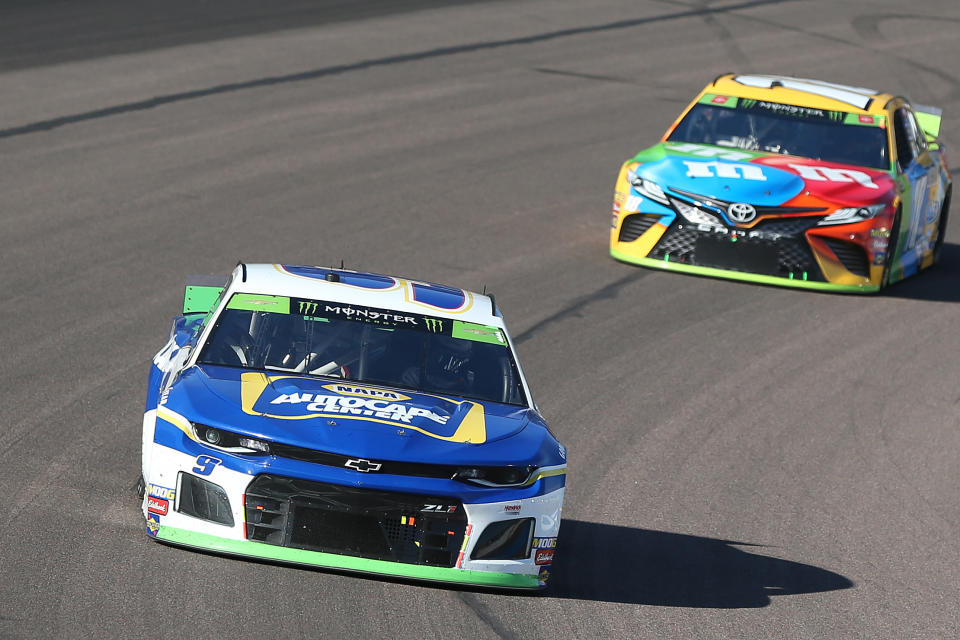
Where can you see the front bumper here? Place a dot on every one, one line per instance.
(756, 278)
(286, 555)
(315, 515)
(779, 252)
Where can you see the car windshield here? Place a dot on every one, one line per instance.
(363, 344)
(832, 136)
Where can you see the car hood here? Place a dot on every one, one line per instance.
(353, 419)
(761, 179)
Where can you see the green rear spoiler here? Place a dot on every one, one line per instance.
(929, 120)
(201, 293)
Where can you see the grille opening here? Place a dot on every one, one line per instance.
(851, 256)
(348, 533)
(793, 257)
(367, 523)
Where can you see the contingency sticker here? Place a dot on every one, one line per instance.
(478, 332)
(257, 302)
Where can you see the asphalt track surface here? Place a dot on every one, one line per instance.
(745, 461)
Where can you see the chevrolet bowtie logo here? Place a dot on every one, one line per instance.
(363, 465)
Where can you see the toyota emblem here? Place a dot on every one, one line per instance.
(741, 212)
(363, 465)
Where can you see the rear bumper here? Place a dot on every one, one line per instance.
(711, 272)
(287, 555)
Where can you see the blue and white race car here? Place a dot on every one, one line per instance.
(353, 421)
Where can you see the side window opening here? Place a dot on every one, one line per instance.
(903, 135)
(919, 140)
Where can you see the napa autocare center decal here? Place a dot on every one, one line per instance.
(302, 398)
(298, 398)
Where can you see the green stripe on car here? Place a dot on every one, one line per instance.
(265, 551)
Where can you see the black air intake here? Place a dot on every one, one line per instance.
(635, 225)
(204, 500)
(851, 256)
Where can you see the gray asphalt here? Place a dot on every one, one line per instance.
(745, 461)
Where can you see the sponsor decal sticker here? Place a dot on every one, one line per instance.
(833, 174)
(543, 556)
(425, 414)
(477, 333)
(352, 312)
(157, 505)
(544, 543)
(161, 492)
(720, 99)
(512, 508)
(254, 302)
(359, 406)
(865, 119)
(880, 233)
(879, 258)
(737, 171)
(153, 524)
(544, 574)
(365, 392)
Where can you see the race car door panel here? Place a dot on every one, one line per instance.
(918, 173)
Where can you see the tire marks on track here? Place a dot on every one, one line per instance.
(314, 74)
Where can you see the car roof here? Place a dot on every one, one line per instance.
(802, 92)
(366, 289)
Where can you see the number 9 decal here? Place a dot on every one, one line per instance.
(206, 464)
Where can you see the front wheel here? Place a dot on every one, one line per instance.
(891, 250)
(941, 228)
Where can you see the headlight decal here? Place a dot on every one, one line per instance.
(848, 215)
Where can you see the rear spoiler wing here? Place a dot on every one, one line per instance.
(929, 120)
(202, 292)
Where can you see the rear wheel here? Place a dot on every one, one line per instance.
(891, 249)
(941, 228)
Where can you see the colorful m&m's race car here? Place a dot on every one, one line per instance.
(791, 182)
(352, 421)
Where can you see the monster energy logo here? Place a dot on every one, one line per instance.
(747, 103)
(836, 115)
(434, 325)
(307, 308)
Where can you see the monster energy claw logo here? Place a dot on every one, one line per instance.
(434, 325)
(747, 103)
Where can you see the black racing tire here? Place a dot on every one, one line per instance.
(942, 227)
(139, 487)
(891, 250)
